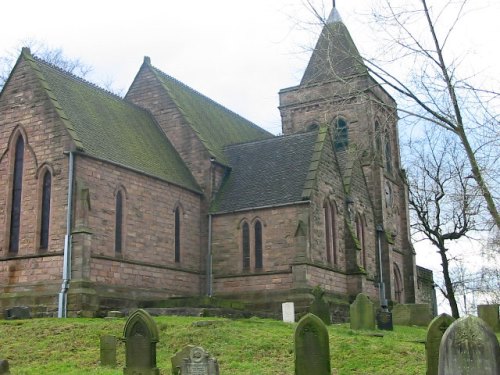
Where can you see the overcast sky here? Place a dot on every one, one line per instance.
(239, 53)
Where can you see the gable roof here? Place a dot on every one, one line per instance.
(276, 171)
(105, 126)
(215, 125)
(335, 56)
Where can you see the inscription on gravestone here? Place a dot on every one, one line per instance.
(141, 335)
(312, 347)
(199, 362)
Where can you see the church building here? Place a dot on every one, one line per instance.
(110, 202)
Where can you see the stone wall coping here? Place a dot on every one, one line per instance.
(32, 256)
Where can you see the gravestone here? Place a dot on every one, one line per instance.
(489, 313)
(108, 350)
(362, 313)
(469, 347)
(17, 312)
(320, 307)
(288, 309)
(312, 347)
(178, 358)
(4, 367)
(412, 314)
(141, 336)
(197, 362)
(435, 332)
(384, 320)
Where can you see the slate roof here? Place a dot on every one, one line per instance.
(275, 171)
(105, 126)
(335, 55)
(215, 125)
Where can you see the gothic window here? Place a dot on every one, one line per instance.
(398, 285)
(341, 134)
(258, 244)
(245, 240)
(177, 235)
(118, 222)
(17, 187)
(388, 154)
(45, 210)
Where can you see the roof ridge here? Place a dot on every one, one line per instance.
(272, 139)
(224, 108)
(76, 77)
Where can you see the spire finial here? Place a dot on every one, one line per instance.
(333, 3)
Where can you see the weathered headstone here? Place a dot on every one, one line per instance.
(141, 336)
(197, 362)
(489, 313)
(4, 367)
(362, 313)
(108, 350)
(288, 309)
(435, 332)
(178, 358)
(384, 320)
(312, 347)
(469, 347)
(17, 312)
(412, 314)
(320, 307)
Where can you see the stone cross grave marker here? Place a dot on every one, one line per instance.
(469, 347)
(195, 361)
(489, 313)
(312, 347)
(320, 307)
(362, 313)
(108, 350)
(141, 336)
(435, 332)
(288, 309)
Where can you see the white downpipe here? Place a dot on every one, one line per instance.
(66, 276)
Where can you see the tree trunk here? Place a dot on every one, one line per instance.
(450, 293)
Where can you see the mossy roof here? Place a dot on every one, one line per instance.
(105, 126)
(276, 171)
(335, 56)
(215, 125)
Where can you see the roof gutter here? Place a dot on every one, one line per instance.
(66, 276)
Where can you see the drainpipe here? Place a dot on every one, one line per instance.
(66, 276)
(383, 300)
(209, 257)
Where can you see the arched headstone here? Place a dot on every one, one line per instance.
(312, 347)
(141, 335)
(435, 333)
(469, 347)
(362, 313)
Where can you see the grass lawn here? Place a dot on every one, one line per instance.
(247, 346)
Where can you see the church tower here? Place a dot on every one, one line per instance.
(337, 90)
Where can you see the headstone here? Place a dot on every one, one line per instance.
(178, 358)
(199, 362)
(17, 312)
(4, 367)
(384, 320)
(319, 307)
(412, 314)
(362, 313)
(141, 336)
(108, 350)
(489, 313)
(312, 347)
(435, 332)
(469, 347)
(288, 309)
(115, 314)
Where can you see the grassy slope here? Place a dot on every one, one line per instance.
(253, 346)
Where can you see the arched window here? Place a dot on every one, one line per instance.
(258, 244)
(118, 222)
(341, 134)
(398, 285)
(388, 154)
(328, 231)
(245, 241)
(360, 234)
(45, 210)
(177, 235)
(17, 189)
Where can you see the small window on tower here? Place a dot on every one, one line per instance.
(341, 134)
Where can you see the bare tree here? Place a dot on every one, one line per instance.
(444, 199)
(435, 91)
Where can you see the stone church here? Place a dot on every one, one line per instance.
(109, 202)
